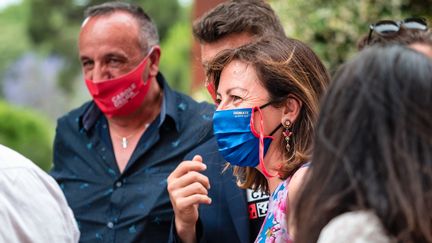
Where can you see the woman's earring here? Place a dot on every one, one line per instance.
(287, 133)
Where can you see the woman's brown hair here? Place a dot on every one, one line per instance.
(284, 66)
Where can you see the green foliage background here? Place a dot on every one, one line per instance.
(176, 55)
(14, 39)
(333, 27)
(28, 133)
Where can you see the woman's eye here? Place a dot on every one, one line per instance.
(218, 101)
(236, 98)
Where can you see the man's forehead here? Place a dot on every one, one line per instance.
(115, 32)
(115, 17)
(210, 50)
(85, 22)
(116, 25)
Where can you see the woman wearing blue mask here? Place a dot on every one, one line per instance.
(267, 102)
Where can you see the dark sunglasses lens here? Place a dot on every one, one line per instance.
(386, 28)
(416, 24)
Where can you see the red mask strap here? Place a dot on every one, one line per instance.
(261, 143)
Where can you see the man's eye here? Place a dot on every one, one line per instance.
(114, 61)
(86, 63)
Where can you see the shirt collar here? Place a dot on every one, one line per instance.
(168, 109)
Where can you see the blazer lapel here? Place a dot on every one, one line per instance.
(236, 200)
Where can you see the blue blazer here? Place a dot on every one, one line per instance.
(226, 218)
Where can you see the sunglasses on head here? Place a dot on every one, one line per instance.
(390, 27)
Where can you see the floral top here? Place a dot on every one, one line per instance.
(275, 227)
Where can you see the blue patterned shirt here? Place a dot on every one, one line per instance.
(132, 206)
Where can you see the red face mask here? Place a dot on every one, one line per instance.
(123, 95)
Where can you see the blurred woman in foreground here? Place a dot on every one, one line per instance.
(371, 173)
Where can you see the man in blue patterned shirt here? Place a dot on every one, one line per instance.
(113, 154)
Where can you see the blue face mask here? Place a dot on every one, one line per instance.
(239, 143)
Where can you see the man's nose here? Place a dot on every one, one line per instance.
(100, 74)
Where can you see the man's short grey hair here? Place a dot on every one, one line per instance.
(148, 31)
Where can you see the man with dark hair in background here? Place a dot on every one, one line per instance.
(232, 24)
(227, 212)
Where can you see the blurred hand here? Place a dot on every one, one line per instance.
(188, 188)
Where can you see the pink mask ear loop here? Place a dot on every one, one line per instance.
(146, 58)
(261, 143)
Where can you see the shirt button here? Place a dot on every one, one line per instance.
(110, 225)
(118, 184)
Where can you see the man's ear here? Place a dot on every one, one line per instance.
(291, 109)
(154, 59)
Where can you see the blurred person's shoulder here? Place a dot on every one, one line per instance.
(28, 190)
(10, 159)
(358, 227)
(16, 169)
